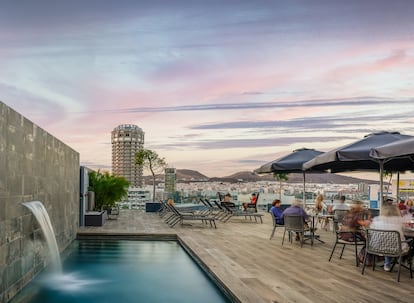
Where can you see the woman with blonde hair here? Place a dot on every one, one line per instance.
(319, 205)
(322, 208)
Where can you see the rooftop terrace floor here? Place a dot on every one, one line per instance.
(256, 269)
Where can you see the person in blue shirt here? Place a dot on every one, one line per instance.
(277, 211)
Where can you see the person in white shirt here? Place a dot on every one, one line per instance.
(390, 219)
(340, 205)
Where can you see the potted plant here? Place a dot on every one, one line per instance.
(108, 189)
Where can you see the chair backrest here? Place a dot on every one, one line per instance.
(273, 219)
(208, 203)
(339, 214)
(383, 242)
(204, 203)
(228, 204)
(294, 222)
(218, 205)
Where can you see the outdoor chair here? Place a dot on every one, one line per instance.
(225, 213)
(338, 216)
(164, 210)
(180, 217)
(234, 212)
(388, 243)
(216, 212)
(113, 213)
(294, 224)
(275, 225)
(344, 238)
(252, 207)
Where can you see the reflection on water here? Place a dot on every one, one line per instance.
(70, 282)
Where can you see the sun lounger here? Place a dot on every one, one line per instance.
(233, 212)
(180, 217)
(218, 213)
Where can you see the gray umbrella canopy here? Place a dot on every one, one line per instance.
(354, 156)
(291, 163)
(395, 156)
(398, 150)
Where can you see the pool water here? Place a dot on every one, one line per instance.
(124, 272)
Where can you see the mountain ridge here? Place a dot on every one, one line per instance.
(189, 175)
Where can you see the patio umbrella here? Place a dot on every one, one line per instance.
(291, 163)
(400, 150)
(355, 156)
(398, 155)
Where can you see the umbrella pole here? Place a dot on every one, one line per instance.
(304, 189)
(398, 186)
(381, 163)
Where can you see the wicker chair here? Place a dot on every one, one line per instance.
(387, 243)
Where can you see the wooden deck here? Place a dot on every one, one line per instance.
(256, 269)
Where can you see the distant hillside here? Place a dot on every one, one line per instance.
(188, 175)
(248, 176)
(324, 178)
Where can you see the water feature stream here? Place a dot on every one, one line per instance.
(42, 217)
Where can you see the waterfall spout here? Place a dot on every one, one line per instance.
(41, 215)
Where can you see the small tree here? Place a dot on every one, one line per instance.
(108, 189)
(280, 177)
(151, 160)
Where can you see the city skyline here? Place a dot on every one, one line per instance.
(217, 86)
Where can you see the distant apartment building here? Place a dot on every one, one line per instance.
(170, 180)
(127, 140)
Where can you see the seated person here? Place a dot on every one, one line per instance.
(341, 204)
(228, 201)
(296, 209)
(410, 205)
(277, 211)
(354, 221)
(390, 219)
(253, 200)
(402, 207)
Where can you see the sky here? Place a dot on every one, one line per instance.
(217, 86)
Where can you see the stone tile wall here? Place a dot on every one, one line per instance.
(34, 165)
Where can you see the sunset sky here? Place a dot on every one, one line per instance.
(217, 86)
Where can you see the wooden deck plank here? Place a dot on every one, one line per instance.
(257, 269)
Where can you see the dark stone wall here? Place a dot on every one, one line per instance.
(34, 165)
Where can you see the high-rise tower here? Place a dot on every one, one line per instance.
(170, 180)
(127, 140)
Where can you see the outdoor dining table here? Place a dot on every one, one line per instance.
(409, 234)
(313, 236)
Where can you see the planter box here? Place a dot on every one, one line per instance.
(95, 218)
(152, 207)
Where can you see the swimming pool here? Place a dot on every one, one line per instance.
(124, 271)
